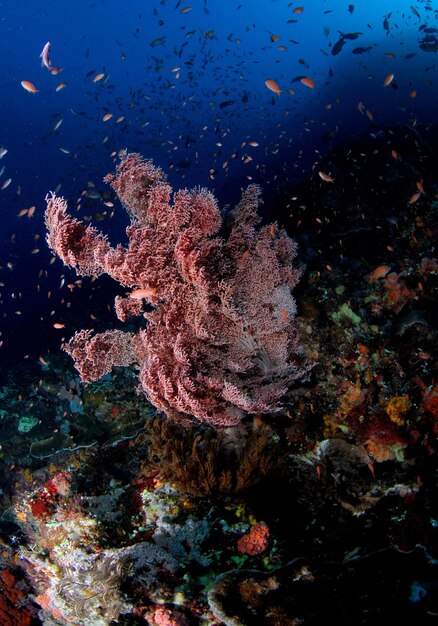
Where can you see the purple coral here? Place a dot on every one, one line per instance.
(222, 340)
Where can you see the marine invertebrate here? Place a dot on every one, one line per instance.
(255, 541)
(222, 340)
(397, 408)
(13, 604)
(167, 617)
(201, 462)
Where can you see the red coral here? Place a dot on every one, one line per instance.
(255, 541)
(430, 405)
(221, 340)
(40, 508)
(12, 598)
(397, 294)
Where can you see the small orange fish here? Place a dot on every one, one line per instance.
(274, 38)
(28, 86)
(308, 82)
(413, 94)
(298, 10)
(414, 197)
(60, 86)
(98, 77)
(107, 117)
(369, 115)
(388, 80)
(139, 294)
(57, 325)
(360, 107)
(420, 186)
(326, 178)
(185, 9)
(284, 315)
(272, 85)
(379, 272)
(394, 154)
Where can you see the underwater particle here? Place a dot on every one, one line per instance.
(397, 408)
(25, 424)
(28, 86)
(308, 82)
(255, 541)
(272, 85)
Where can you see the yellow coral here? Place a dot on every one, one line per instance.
(397, 407)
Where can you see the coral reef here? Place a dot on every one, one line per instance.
(113, 513)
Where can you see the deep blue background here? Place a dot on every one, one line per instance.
(224, 51)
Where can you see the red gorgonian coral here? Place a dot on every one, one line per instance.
(221, 339)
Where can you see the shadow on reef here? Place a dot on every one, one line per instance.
(381, 588)
(325, 511)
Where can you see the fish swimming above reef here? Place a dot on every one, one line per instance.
(362, 49)
(338, 46)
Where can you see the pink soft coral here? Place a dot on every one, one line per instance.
(221, 339)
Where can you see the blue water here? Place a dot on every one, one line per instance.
(190, 87)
